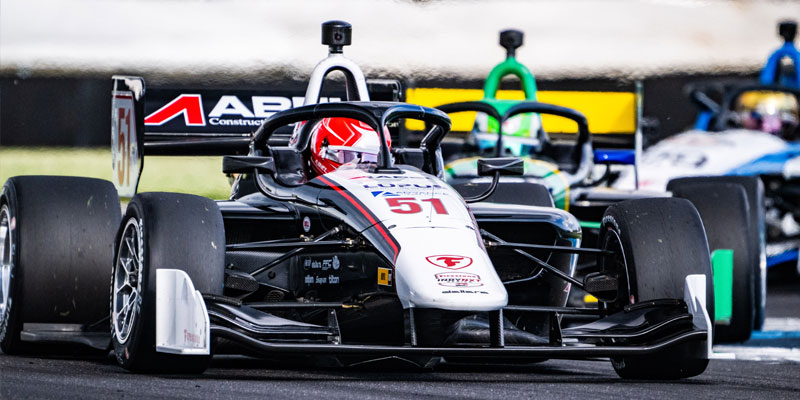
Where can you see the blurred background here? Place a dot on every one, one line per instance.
(57, 56)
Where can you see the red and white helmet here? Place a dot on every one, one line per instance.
(338, 141)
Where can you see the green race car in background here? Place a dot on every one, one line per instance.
(563, 168)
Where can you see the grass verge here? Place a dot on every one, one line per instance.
(195, 175)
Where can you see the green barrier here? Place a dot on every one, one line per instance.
(722, 266)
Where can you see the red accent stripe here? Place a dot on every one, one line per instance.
(363, 211)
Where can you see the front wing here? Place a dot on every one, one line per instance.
(640, 329)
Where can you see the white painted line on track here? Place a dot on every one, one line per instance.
(781, 324)
(719, 355)
(763, 344)
(760, 353)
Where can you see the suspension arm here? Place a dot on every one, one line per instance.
(293, 252)
(547, 267)
(298, 243)
(555, 249)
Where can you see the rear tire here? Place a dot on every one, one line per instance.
(162, 230)
(659, 242)
(56, 238)
(719, 228)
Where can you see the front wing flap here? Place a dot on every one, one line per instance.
(182, 322)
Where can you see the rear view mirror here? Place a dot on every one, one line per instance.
(505, 166)
(496, 167)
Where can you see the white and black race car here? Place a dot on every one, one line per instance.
(373, 260)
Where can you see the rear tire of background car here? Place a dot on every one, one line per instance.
(688, 188)
(658, 242)
(56, 239)
(162, 230)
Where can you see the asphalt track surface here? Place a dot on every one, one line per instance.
(776, 376)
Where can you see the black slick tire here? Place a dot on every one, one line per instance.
(718, 215)
(164, 230)
(56, 243)
(658, 242)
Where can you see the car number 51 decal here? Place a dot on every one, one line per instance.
(124, 151)
(410, 205)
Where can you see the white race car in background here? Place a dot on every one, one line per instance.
(767, 165)
(764, 157)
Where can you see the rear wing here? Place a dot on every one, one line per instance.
(172, 122)
(616, 115)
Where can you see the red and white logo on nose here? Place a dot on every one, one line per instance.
(450, 261)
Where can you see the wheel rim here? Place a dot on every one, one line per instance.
(612, 242)
(127, 281)
(5, 258)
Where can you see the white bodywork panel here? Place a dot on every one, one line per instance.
(424, 280)
(182, 324)
(698, 153)
(335, 62)
(441, 263)
(791, 169)
(694, 294)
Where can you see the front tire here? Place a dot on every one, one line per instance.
(657, 242)
(55, 243)
(161, 230)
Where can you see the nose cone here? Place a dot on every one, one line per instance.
(445, 268)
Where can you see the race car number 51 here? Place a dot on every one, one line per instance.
(410, 205)
(124, 154)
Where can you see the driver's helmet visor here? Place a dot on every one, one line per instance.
(770, 123)
(347, 154)
(520, 133)
(767, 111)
